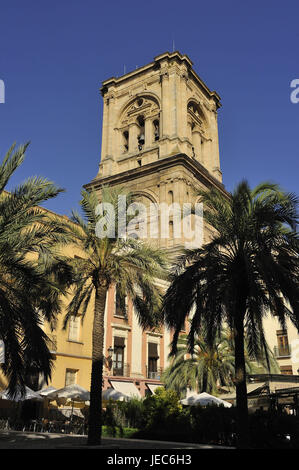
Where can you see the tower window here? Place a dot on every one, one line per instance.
(126, 141)
(140, 121)
(170, 197)
(156, 129)
(141, 138)
(171, 229)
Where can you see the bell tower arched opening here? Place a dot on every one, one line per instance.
(159, 110)
(197, 130)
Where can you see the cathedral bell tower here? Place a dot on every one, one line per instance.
(160, 133)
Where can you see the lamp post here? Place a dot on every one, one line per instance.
(110, 352)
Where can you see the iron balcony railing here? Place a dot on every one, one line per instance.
(282, 351)
(123, 371)
(154, 374)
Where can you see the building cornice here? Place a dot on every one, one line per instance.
(156, 65)
(181, 159)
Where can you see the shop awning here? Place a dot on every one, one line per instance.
(153, 387)
(127, 388)
(253, 389)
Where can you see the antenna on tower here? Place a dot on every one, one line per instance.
(173, 44)
(125, 69)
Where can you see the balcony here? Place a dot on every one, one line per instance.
(280, 352)
(154, 375)
(122, 371)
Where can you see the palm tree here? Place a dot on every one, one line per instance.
(249, 268)
(204, 370)
(210, 367)
(128, 263)
(28, 292)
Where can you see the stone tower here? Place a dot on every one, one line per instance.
(159, 141)
(160, 134)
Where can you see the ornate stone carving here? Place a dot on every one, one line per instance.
(142, 105)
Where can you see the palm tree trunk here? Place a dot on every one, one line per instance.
(241, 389)
(95, 410)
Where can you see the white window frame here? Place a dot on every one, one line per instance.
(74, 329)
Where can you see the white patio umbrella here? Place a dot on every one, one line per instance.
(44, 392)
(204, 399)
(71, 392)
(18, 397)
(112, 394)
(70, 412)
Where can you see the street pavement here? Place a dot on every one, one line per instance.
(30, 440)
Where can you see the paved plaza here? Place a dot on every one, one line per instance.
(29, 440)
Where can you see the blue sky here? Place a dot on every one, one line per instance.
(54, 55)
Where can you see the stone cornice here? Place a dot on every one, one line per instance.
(156, 65)
(121, 326)
(200, 173)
